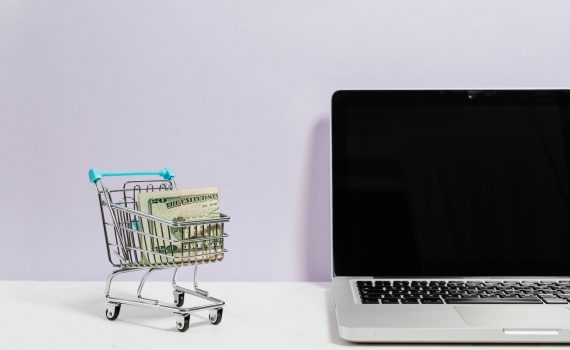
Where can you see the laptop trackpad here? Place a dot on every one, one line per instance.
(515, 316)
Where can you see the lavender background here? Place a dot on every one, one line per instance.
(228, 93)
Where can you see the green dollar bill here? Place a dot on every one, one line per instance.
(180, 206)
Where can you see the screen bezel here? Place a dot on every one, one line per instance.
(344, 99)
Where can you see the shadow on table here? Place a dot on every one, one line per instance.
(317, 244)
(147, 317)
(331, 318)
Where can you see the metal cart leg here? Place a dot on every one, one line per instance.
(141, 285)
(114, 274)
(114, 306)
(201, 291)
(196, 292)
(216, 310)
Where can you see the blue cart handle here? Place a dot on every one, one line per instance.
(96, 174)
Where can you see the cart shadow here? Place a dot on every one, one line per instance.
(130, 314)
(142, 317)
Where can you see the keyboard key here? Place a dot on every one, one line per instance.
(382, 283)
(370, 301)
(364, 283)
(390, 301)
(419, 283)
(400, 283)
(493, 301)
(437, 283)
(371, 296)
(543, 296)
(511, 284)
(437, 295)
(555, 301)
(508, 295)
(431, 301)
(526, 295)
(409, 301)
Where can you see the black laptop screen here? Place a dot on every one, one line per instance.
(451, 183)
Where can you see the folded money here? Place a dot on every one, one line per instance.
(185, 244)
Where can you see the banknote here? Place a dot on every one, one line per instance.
(202, 242)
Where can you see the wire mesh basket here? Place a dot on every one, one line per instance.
(136, 239)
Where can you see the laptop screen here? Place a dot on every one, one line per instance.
(451, 183)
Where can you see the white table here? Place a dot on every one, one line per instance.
(71, 315)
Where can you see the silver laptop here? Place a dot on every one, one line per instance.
(451, 215)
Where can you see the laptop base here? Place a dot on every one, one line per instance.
(447, 323)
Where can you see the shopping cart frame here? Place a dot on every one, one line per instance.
(124, 238)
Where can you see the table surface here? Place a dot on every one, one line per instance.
(63, 315)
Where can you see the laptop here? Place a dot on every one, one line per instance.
(451, 215)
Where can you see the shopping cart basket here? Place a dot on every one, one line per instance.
(139, 241)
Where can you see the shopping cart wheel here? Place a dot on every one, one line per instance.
(183, 322)
(216, 316)
(178, 298)
(113, 311)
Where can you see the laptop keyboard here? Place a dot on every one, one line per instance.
(464, 292)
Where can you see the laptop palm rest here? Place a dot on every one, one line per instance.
(515, 316)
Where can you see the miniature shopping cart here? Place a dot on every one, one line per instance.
(137, 241)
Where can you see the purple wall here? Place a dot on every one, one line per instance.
(228, 93)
